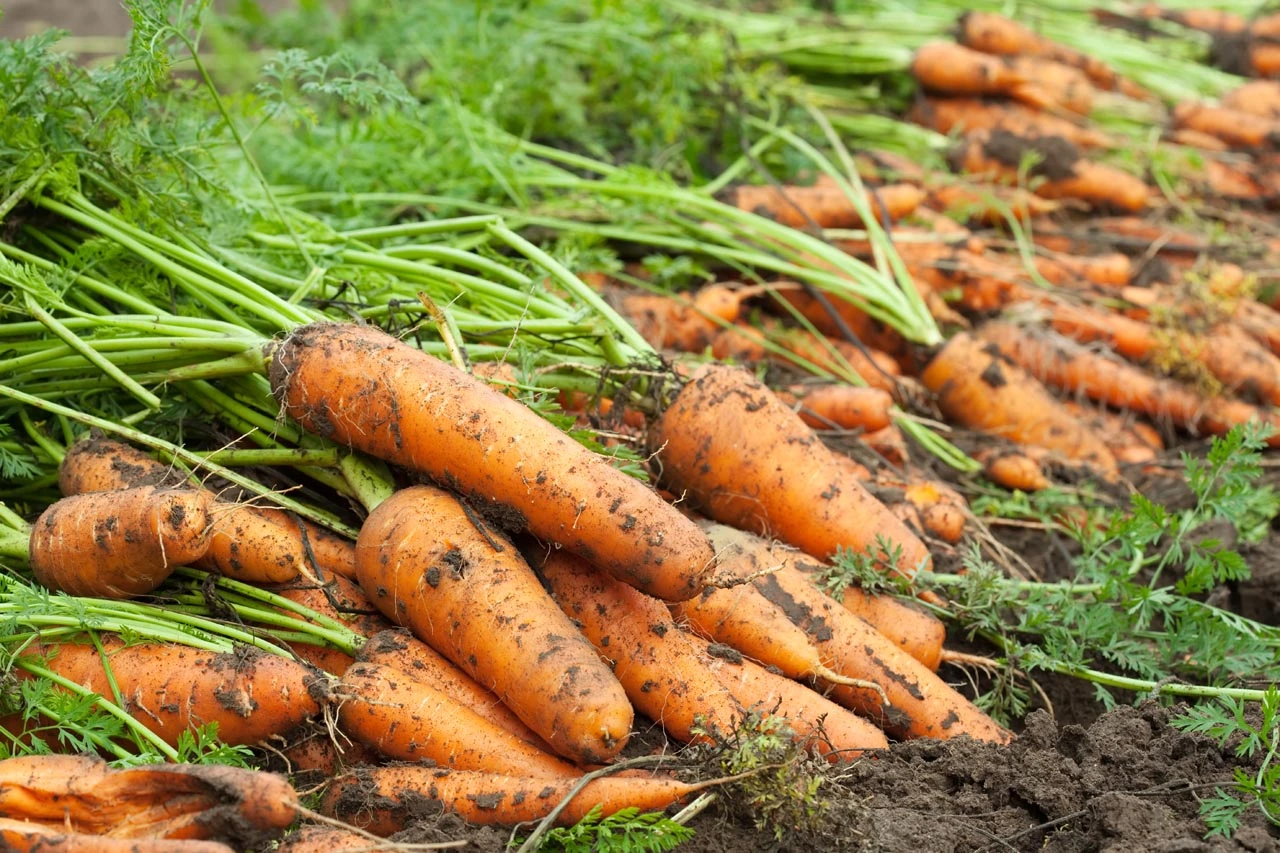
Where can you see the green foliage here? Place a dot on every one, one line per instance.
(624, 831)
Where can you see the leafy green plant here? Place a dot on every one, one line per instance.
(626, 831)
(1228, 720)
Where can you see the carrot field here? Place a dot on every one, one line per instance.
(635, 426)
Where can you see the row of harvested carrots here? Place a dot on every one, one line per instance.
(531, 648)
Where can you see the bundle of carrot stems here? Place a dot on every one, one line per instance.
(437, 492)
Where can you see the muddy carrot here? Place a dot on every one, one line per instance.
(362, 387)
(21, 836)
(746, 459)
(341, 600)
(1235, 127)
(435, 567)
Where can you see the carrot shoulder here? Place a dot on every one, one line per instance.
(363, 388)
(431, 565)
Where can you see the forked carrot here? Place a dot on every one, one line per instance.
(431, 565)
(361, 387)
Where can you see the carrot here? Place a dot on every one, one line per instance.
(172, 689)
(989, 203)
(952, 69)
(870, 331)
(1113, 270)
(1205, 20)
(998, 154)
(977, 388)
(119, 544)
(20, 836)
(996, 34)
(399, 649)
(432, 566)
(832, 406)
(322, 839)
(745, 459)
(314, 752)
(410, 720)
(338, 599)
(363, 388)
(967, 115)
(1128, 440)
(1074, 369)
(1015, 470)
(670, 322)
(746, 556)
(1068, 88)
(248, 543)
(81, 794)
(650, 656)
(1264, 58)
(824, 205)
(1237, 128)
(878, 369)
(942, 509)
(385, 800)
(919, 703)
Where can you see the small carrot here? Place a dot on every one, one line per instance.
(824, 205)
(1000, 155)
(436, 568)
(975, 386)
(1237, 128)
(172, 689)
(952, 69)
(410, 720)
(119, 544)
(746, 459)
(834, 406)
(1015, 470)
(399, 649)
(1074, 369)
(315, 838)
(361, 387)
(315, 752)
(385, 800)
(668, 322)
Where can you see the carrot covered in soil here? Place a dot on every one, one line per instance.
(20, 836)
(1074, 369)
(410, 720)
(172, 689)
(1063, 172)
(825, 205)
(435, 567)
(919, 703)
(82, 794)
(399, 649)
(363, 388)
(385, 800)
(977, 388)
(119, 544)
(746, 459)
(249, 543)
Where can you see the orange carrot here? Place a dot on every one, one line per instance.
(1235, 127)
(248, 543)
(825, 205)
(119, 544)
(1128, 440)
(362, 387)
(996, 34)
(1205, 20)
(322, 839)
(315, 751)
(746, 459)
(431, 565)
(385, 800)
(1068, 88)
(989, 203)
(998, 154)
(668, 322)
(1015, 470)
(832, 406)
(967, 115)
(979, 389)
(744, 556)
(952, 69)
(171, 689)
(872, 332)
(409, 720)
(339, 599)
(399, 649)
(21, 836)
(1074, 369)
(1111, 271)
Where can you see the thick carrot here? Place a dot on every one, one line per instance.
(824, 205)
(171, 689)
(919, 704)
(433, 566)
(248, 543)
(399, 649)
(996, 34)
(746, 556)
(976, 387)
(119, 544)
(1001, 155)
(163, 801)
(385, 800)
(746, 459)
(21, 836)
(1235, 127)
(952, 69)
(967, 115)
(409, 720)
(649, 654)
(362, 387)
(1074, 369)
(832, 406)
